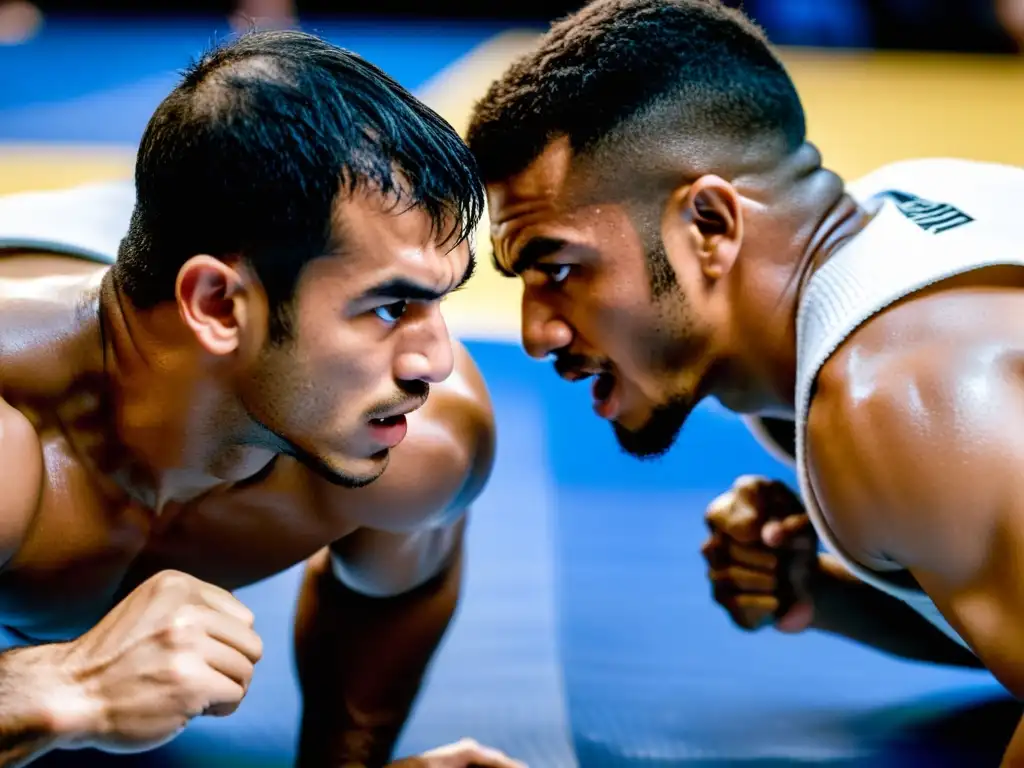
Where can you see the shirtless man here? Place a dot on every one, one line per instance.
(207, 412)
(650, 182)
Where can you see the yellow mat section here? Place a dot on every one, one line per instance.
(864, 110)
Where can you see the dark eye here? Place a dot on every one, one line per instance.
(390, 313)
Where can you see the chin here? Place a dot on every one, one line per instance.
(657, 433)
(345, 471)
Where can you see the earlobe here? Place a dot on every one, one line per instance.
(212, 303)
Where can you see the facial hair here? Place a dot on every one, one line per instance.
(672, 347)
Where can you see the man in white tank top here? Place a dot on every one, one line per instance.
(650, 181)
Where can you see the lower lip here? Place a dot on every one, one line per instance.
(608, 408)
(389, 432)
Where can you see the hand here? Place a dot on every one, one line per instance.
(173, 649)
(762, 555)
(462, 754)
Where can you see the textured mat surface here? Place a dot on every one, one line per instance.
(587, 635)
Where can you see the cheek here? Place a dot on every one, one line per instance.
(297, 395)
(338, 353)
(619, 314)
(345, 374)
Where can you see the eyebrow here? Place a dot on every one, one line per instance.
(535, 249)
(405, 290)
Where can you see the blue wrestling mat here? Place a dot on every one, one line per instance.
(587, 636)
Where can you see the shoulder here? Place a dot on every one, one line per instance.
(453, 435)
(21, 478)
(461, 404)
(907, 443)
(936, 175)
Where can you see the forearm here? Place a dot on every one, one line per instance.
(36, 708)
(846, 606)
(361, 661)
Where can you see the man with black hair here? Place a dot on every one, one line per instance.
(223, 402)
(650, 181)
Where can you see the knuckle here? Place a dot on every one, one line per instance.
(719, 505)
(170, 579)
(186, 616)
(748, 483)
(181, 671)
(178, 634)
(237, 694)
(171, 583)
(247, 616)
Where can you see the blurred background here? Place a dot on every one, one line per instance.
(587, 635)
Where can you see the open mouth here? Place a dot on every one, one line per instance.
(389, 431)
(605, 392)
(603, 386)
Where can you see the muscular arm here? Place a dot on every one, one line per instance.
(922, 472)
(30, 688)
(374, 607)
(848, 607)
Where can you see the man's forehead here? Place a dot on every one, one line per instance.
(431, 263)
(541, 183)
(376, 240)
(366, 218)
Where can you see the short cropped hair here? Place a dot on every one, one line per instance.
(632, 76)
(250, 152)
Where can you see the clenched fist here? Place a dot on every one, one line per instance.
(762, 555)
(173, 649)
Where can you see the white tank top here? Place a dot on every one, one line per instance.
(88, 221)
(935, 219)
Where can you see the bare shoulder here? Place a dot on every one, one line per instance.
(908, 439)
(21, 478)
(49, 325)
(461, 403)
(443, 463)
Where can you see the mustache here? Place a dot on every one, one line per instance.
(412, 394)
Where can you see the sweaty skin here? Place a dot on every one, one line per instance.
(73, 542)
(912, 461)
(910, 455)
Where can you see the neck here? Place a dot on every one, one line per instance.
(811, 219)
(180, 433)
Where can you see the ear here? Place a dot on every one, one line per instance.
(710, 214)
(213, 300)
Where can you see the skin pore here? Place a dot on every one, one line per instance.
(739, 250)
(206, 398)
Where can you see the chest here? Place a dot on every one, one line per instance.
(87, 548)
